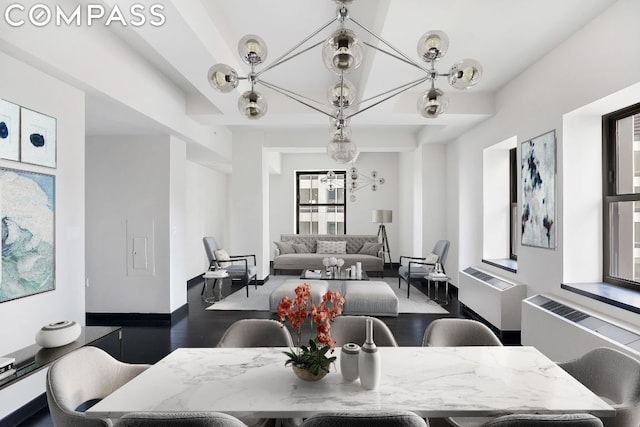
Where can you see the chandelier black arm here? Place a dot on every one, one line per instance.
(399, 58)
(400, 89)
(398, 51)
(281, 59)
(292, 95)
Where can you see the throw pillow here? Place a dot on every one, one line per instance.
(285, 247)
(431, 258)
(332, 247)
(301, 248)
(370, 248)
(222, 255)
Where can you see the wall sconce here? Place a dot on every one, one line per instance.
(358, 181)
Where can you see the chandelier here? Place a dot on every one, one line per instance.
(342, 53)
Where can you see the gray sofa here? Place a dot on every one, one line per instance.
(311, 260)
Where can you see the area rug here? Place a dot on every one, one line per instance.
(258, 299)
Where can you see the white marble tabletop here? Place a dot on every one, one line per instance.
(431, 381)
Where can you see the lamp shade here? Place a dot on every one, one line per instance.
(381, 216)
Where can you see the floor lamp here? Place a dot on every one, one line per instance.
(381, 217)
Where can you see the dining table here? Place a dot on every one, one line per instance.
(430, 381)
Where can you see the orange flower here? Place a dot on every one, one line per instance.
(298, 310)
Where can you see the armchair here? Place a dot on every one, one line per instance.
(418, 267)
(237, 266)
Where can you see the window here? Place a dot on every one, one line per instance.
(621, 196)
(514, 223)
(320, 202)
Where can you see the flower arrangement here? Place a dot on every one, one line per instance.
(312, 358)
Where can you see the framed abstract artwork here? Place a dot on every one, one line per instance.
(37, 138)
(27, 215)
(538, 169)
(9, 130)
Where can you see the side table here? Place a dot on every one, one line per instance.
(437, 278)
(215, 275)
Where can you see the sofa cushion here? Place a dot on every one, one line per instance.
(431, 258)
(354, 241)
(331, 247)
(285, 248)
(300, 248)
(222, 255)
(313, 261)
(370, 248)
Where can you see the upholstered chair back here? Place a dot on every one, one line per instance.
(84, 375)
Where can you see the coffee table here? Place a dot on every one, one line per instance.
(322, 275)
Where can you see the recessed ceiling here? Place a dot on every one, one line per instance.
(505, 36)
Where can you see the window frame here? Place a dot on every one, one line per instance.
(299, 205)
(609, 189)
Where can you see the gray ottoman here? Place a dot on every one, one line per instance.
(288, 288)
(369, 298)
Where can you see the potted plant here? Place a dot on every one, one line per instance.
(311, 362)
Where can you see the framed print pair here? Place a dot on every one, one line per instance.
(27, 136)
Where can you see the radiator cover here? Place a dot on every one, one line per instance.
(496, 300)
(563, 330)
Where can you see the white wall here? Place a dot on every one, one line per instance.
(532, 104)
(206, 198)
(282, 195)
(21, 319)
(434, 215)
(177, 222)
(129, 188)
(249, 200)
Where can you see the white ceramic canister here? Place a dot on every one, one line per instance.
(369, 361)
(349, 361)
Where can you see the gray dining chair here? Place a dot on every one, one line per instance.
(416, 268)
(346, 329)
(256, 333)
(453, 332)
(179, 419)
(615, 377)
(545, 420)
(366, 419)
(87, 374)
(237, 266)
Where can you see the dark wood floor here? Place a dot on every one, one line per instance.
(202, 328)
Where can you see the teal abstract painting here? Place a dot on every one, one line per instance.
(27, 215)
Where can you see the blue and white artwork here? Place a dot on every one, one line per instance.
(38, 139)
(538, 169)
(9, 130)
(27, 207)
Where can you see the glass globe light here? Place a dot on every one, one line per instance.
(465, 73)
(223, 78)
(342, 51)
(252, 49)
(342, 93)
(337, 131)
(342, 150)
(331, 175)
(352, 197)
(433, 45)
(432, 103)
(252, 105)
